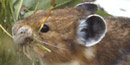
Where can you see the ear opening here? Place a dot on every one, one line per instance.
(91, 30)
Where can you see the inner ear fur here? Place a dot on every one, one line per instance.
(91, 30)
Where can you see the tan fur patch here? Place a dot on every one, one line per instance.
(90, 53)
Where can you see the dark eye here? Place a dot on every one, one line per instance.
(45, 28)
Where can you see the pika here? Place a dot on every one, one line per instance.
(78, 36)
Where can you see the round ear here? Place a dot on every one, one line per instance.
(89, 7)
(91, 30)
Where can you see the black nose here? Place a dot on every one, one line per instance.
(27, 40)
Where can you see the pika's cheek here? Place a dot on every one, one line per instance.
(51, 36)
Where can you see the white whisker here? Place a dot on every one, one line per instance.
(49, 44)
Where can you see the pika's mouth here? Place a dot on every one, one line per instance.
(27, 40)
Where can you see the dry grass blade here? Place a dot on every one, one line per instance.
(46, 18)
(5, 31)
(52, 6)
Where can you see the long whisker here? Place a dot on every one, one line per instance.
(49, 44)
(26, 53)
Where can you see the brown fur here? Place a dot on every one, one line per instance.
(63, 27)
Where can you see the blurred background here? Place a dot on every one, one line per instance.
(115, 7)
(14, 10)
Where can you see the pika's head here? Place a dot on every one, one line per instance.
(65, 28)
